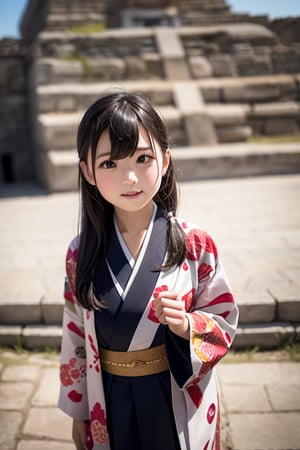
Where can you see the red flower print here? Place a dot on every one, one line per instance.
(74, 328)
(203, 271)
(71, 372)
(185, 266)
(74, 371)
(65, 376)
(197, 240)
(151, 314)
(96, 355)
(75, 396)
(227, 297)
(195, 393)
(202, 323)
(211, 413)
(188, 299)
(98, 424)
(159, 289)
(206, 445)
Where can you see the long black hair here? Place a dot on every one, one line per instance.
(121, 113)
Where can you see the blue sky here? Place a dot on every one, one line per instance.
(11, 11)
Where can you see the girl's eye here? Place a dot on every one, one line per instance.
(144, 159)
(107, 164)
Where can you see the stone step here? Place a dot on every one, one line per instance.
(246, 90)
(263, 336)
(59, 167)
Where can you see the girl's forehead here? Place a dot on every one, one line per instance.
(104, 142)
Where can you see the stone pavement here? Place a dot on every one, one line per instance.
(254, 221)
(260, 404)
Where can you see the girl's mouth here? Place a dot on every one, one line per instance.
(132, 194)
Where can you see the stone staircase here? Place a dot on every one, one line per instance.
(182, 71)
(221, 127)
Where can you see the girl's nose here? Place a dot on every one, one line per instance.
(130, 178)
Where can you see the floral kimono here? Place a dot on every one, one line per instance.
(127, 322)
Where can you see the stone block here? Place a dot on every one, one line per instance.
(263, 336)
(42, 337)
(57, 131)
(107, 69)
(240, 398)
(255, 308)
(14, 396)
(51, 445)
(18, 372)
(136, 68)
(288, 302)
(276, 109)
(10, 422)
(199, 129)
(265, 430)
(284, 397)
(51, 71)
(198, 125)
(228, 114)
(275, 126)
(52, 423)
(223, 65)
(254, 373)
(10, 335)
(245, 91)
(233, 133)
(251, 65)
(48, 389)
(200, 67)
(21, 292)
(172, 54)
(153, 63)
(58, 170)
(52, 310)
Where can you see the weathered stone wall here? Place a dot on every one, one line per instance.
(16, 152)
(131, 54)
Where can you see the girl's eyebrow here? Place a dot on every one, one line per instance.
(100, 155)
(139, 149)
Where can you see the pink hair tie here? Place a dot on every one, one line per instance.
(171, 216)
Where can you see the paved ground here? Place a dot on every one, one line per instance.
(260, 404)
(255, 222)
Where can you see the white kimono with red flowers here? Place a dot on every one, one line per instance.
(201, 282)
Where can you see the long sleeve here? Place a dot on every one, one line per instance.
(73, 392)
(212, 313)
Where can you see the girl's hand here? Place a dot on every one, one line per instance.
(171, 311)
(79, 434)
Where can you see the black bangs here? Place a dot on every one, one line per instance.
(123, 131)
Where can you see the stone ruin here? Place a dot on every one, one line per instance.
(216, 77)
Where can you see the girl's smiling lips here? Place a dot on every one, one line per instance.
(132, 194)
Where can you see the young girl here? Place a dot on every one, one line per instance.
(149, 311)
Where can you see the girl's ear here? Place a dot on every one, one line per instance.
(87, 173)
(166, 161)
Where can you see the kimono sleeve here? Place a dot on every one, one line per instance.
(213, 313)
(73, 389)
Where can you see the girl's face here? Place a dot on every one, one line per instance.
(129, 184)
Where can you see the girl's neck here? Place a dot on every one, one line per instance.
(134, 222)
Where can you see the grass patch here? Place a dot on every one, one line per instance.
(98, 27)
(86, 68)
(287, 353)
(278, 139)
